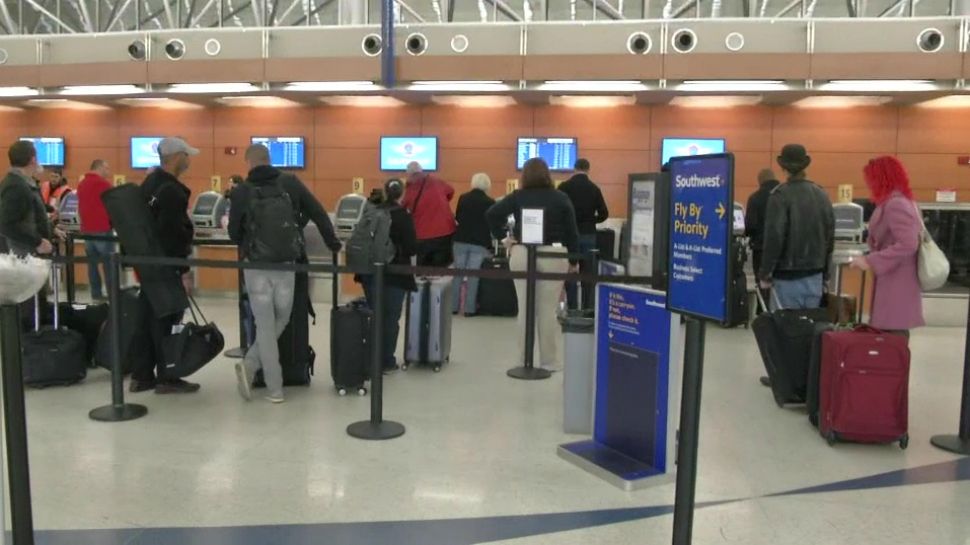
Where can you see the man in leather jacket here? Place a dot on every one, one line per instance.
(799, 236)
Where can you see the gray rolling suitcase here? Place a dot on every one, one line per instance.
(427, 339)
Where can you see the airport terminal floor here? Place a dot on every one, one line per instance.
(478, 463)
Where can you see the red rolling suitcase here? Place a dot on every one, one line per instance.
(864, 387)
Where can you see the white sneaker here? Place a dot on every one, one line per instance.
(277, 399)
(243, 383)
(551, 367)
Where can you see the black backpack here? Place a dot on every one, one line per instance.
(272, 230)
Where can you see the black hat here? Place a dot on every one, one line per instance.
(794, 158)
(393, 189)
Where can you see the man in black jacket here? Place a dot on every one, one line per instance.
(24, 226)
(799, 236)
(754, 217)
(473, 241)
(168, 200)
(591, 210)
(271, 293)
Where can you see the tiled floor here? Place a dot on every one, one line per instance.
(478, 446)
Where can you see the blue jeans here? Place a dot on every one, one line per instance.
(467, 256)
(100, 250)
(393, 307)
(797, 294)
(587, 243)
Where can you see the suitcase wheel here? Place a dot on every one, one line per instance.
(830, 438)
(404, 367)
(341, 391)
(904, 442)
(361, 391)
(436, 368)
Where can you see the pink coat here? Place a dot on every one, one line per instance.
(897, 301)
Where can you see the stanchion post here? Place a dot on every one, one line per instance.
(529, 371)
(377, 429)
(15, 428)
(118, 411)
(240, 350)
(690, 415)
(960, 443)
(69, 272)
(588, 289)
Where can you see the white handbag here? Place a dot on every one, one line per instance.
(932, 267)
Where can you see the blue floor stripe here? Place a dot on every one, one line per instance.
(466, 531)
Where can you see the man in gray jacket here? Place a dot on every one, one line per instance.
(24, 225)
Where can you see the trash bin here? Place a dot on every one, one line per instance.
(578, 370)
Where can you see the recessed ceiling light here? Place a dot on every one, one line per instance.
(18, 92)
(64, 103)
(331, 86)
(878, 86)
(627, 86)
(732, 86)
(212, 88)
(158, 102)
(101, 90)
(460, 86)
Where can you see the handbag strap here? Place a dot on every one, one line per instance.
(424, 184)
(922, 224)
(193, 308)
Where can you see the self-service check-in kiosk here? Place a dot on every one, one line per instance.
(69, 217)
(349, 210)
(738, 223)
(849, 223)
(207, 213)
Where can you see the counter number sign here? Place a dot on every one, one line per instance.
(702, 193)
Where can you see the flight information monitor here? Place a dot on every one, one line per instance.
(398, 151)
(559, 153)
(50, 150)
(144, 151)
(685, 147)
(284, 151)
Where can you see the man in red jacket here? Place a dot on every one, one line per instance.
(428, 199)
(94, 221)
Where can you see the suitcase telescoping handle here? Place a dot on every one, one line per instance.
(774, 297)
(334, 283)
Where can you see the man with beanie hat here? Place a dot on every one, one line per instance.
(799, 236)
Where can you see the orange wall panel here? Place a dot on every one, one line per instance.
(745, 129)
(866, 130)
(350, 127)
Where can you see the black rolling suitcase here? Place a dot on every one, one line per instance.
(297, 357)
(740, 311)
(350, 346)
(55, 355)
(88, 320)
(606, 244)
(496, 296)
(134, 333)
(785, 340)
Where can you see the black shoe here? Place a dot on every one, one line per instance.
(137, 386)
(177, 386)
(391, 369)
(765, 381)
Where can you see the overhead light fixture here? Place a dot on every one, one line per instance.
(257, 102)
(953, 101)
(363, 101)
(331, 86)
(190, 88)
(606, 86)
(574, 101)
(64, 103)
(472, 101)
(5, 108)
(732, 86)
(101, 90)
(18, 92)
(841, 102)
(715, 101)
(158, 102)
(878, 86)
(460, 86)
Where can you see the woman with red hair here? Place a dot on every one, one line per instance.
(894, 233)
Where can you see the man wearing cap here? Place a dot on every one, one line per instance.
(168, 199)
(799, 236)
